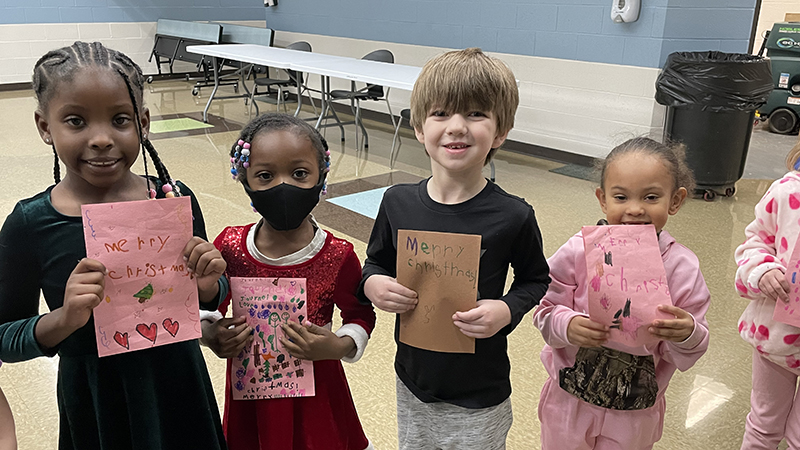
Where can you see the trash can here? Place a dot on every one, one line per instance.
(711, 99)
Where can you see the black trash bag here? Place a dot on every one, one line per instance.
(714, 81)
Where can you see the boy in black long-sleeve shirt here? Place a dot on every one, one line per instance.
(462, 108)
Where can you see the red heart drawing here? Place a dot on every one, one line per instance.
(170, 326)
(122, 339)
(148, 332)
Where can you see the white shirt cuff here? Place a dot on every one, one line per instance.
(211, 316)
(359, 336)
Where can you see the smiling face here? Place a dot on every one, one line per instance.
(282, 157)
(460, 141)
(639, 189)
(91, 122)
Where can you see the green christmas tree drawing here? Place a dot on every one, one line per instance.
(146, 293)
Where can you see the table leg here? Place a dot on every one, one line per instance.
(324, 107)
(216, 86)
(299, 94)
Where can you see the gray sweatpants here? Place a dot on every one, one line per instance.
(442, 426)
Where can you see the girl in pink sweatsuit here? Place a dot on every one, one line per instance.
(642, 182)
(762, 260)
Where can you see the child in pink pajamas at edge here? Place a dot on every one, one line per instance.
(762, 259)
(602, 394)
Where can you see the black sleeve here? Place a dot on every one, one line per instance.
(199, 230)
(381, 252)
(531, 272)
(198, 223)
(19, 290)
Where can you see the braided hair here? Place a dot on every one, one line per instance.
(279, 122)
(61, 65)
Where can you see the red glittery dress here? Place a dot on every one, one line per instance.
(327, 421)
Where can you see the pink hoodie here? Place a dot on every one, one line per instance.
(770, 240)
(567, 297)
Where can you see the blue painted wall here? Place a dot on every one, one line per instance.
(77, 11)
(567, 29)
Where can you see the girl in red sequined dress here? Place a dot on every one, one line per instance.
(282, 163)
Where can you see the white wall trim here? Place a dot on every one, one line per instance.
(573, 106)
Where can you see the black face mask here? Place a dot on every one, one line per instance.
(284, 206)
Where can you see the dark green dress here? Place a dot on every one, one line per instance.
(156, 399)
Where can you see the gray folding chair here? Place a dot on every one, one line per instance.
(295, 80)
(370, 92)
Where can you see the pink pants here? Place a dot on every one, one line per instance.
(571, 423)
(773, 407)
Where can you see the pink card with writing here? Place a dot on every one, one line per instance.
(149, 299)
(265, 369)
(626, 279)
(789, 313)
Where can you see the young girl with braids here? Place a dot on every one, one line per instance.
(282, 162)
(90, 110)
(605, 395)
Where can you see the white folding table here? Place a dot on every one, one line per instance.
(263, 55)
(385, 74)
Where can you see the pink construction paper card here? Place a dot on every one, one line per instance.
(626, 279)
(150, 297)
(789, 313)
(265, 369)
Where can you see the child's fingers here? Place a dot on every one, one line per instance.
(195, 250)
(469, 327)
(293, 349)
(395, 297)
(592, 325)
(313, 328)
(89, 279)
(775, 291)
(88, 300)
(674, 310)
(200, 257)
(472, 315)
(673, 323)
(88, 265)
(669, 333)
(291, 333)
(241, 337)
(233, 333)
(393, 307)
(189, 247)
(398, 288)
(595, 335)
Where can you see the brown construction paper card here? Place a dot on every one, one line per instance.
(443, 269)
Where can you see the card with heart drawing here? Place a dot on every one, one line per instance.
(150, 299)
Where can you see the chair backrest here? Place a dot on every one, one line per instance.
(373, 90)
(240, 34)
(301, 46)
(194, 31)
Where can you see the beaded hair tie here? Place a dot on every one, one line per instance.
(241, 158)
(167, 189)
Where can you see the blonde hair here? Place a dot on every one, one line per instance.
(794, 155)
(465, 81)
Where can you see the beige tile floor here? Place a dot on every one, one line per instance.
(706, 406)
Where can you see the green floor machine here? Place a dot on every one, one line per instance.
(783, 49)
